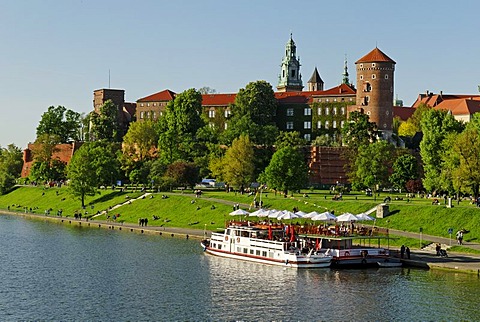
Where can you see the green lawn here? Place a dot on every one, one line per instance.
(184, 210)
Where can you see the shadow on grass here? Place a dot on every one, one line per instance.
(107, 197)
(391, 213)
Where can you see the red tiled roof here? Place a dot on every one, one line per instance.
(165, 95)
(218, 99)
(460, 106)
(376, 55)
(404, 113)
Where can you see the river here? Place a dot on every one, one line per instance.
(53, 271)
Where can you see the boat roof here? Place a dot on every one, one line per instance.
(345, 237)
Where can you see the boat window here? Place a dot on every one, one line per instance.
(219, 246)
(228, 232)
(245, 251)
(251, 251)
(264, 253)
(257, 253)
(244, 234)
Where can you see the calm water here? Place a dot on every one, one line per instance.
(50, 271)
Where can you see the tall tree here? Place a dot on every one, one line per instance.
(287, 170)
(237, 166)
(292, 139)
(45, 166)
(358, 130)
(405, 168)
(179, 127)
(104, 124)
(253, 114)
(372, 165)
(60, 123)
(94, 164)
(183, 173)
(436, 125)
(10, 167)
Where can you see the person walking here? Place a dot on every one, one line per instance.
(408, 252)
(402, 251)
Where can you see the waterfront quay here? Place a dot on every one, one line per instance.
(421, 258)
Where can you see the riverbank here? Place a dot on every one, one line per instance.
(425, 259)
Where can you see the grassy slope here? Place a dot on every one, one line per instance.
(179, 211)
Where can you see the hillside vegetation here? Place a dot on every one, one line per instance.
(211, 210)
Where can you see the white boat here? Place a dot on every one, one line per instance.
(265, 244)
(351, 251)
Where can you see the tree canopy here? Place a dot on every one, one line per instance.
(10, 167)
(61, 123)
(104, 124)
(287, 170)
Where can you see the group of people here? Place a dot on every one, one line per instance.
(404, 251)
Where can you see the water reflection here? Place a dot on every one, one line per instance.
(58, 272)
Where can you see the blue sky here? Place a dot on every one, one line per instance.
(57, 52)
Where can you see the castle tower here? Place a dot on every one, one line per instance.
(375, 89)
(290, 79)
(315, 83)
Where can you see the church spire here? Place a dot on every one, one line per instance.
(345, 81)
(290, 78)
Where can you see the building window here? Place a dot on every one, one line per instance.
(154, 115)
(386, 76)
(141, 115)
(319, 124)
(373, 64)
(334, 111)
(361, 65)
(334, 99)
(161, 113)
(334, 124)
(307, 125)
(293, 73)
(319, 111)
(373, 76)
(342, 123)
(211, 114)
(141, 104)
(361, 77)
(367, 87)
(327, 111)
(148, 104)
(289, 111)
(226, 126)
(343, 110)
(307, 111)
(326, 124)
(307, 137)
(289, 125)
(211, 125)
(227, 113)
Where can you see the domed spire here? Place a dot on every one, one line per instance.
(290, 78)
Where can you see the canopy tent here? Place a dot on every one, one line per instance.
(364, 216)
(347, 217)
(300, 214)
(311, 214)
(257, 213)
(287, 215)
(324, 216)
(239, 212)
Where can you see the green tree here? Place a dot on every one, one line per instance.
(405, 168)
(179, 127)
(94, 164)
(292, 139)
(104, 124)
(461, 169)
(237, 166)
(60, 123)
(359, 131)
(45, 166)
(436, 125)
(372, 165)
(253, 115)
(287, 170)
(11, 163)
(183, 173)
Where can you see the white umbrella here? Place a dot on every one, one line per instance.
(256, 213)
(310, 214)
(364, 216)
(347, 217)
(324, 216)
(287, 215)
(300, 214)
(274, 213)
(239, 212)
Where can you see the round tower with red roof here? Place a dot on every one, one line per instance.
(375, 73)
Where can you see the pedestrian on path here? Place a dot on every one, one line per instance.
(402, 251)
(408, 252)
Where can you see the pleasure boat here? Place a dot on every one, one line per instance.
(266, 244)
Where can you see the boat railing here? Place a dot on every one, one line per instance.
(359, 252)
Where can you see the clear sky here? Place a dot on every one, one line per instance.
(57, 52)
